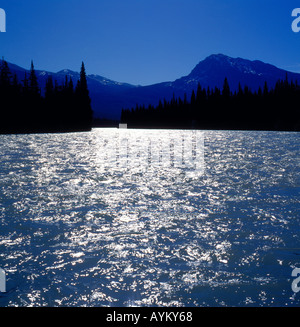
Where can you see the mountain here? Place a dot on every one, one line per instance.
(106, 95)
(211, 72)
(109, 97)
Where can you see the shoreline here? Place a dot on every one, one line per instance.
(146, 128)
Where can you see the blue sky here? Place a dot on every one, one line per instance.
(147, 41)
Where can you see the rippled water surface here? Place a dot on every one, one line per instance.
(83, 223)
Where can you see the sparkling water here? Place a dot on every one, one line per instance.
(150, 218)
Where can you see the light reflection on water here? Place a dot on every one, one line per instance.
(89, 219)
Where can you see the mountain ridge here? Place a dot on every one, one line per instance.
(110, 97)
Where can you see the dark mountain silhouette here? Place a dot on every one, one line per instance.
(106, 95)
(211, 72)
(109, 97)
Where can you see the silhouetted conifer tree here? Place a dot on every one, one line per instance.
(33, 82)
(83, 108)
(5, 75)
(226, 89)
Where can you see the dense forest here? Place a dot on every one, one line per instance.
(24, 109)
(277, 108)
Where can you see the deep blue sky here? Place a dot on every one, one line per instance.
(147, 41)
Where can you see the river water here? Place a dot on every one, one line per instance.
(150, 218)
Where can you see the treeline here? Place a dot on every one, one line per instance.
(62, 108)
(267, 108)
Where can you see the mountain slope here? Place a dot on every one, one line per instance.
(106, 95)
(211, 72)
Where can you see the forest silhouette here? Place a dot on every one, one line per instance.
(267, 108)
(62, 108)
(66, 108)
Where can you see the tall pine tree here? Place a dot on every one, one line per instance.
(83, 109)
(33, 82)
